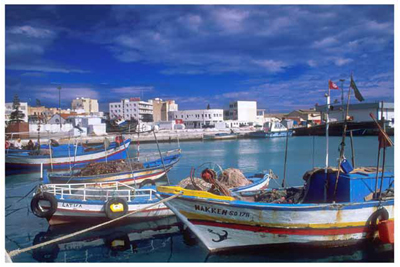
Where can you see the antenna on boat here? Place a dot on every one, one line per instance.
(342, 144)
(328, 102)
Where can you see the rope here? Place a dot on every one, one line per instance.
(19, 251)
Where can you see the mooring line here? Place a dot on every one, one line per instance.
(19, 251)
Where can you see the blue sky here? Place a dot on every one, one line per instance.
(281, 56)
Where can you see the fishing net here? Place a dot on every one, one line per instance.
(115, 166)
(233, 178)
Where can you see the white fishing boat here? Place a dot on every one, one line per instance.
(225, 222)
(67, 203)
(272, 129)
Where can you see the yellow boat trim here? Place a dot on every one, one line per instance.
(191, 193)
(195, 216)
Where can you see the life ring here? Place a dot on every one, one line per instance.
(115, 208)
(147, 182)
(39, 211)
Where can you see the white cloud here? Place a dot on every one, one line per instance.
(326, 42)
(132, 90)
(271, 65)
(32, 32)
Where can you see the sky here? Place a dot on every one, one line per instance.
(282, 56)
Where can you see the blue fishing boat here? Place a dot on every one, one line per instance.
(64, 157)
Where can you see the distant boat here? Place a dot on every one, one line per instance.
(220, 136)
(151, 170)
(64, 157)
(272, 129)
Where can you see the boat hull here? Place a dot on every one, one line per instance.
(225, 224)
(270, 134)
(72, 212)
(21, 164)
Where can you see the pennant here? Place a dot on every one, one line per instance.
(356, 91)
(333, 85)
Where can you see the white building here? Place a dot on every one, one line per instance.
(201, 118)
(242, 111)
(132, 108)
(89, 124)
(85, 105)
(22, 107)
(360, 112)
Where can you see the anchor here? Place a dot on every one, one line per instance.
(221, 237)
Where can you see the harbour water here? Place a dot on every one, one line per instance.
(166, 240)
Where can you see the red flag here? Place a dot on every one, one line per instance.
(333, 85)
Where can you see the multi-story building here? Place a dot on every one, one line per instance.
(201, 118)
(242, 111)
(23, 106)
(85, 105)
(161, 108)
(132, 108)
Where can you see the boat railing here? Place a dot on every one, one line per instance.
(97, 191)
(156, 155)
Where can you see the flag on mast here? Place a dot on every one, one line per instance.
(333, 85)
(356, 91)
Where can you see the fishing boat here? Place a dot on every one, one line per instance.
(272, 129)
(220, 136)
(225, 222)
(147, 171)
(64, 157)
(89, 202)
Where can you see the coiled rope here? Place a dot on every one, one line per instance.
(19, 251)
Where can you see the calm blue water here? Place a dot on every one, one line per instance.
(165, 240)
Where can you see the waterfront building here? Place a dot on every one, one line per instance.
(242, 111)
(305, 117)
(85, 105)
(161, 108)
(271, 117)
(359, 112)
(200, 118)
(23, 107)
(132, 109)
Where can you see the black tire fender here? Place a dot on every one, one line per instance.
(38, 211)
(379, 215)
(120, 203)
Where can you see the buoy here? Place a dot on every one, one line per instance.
(386, 231)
